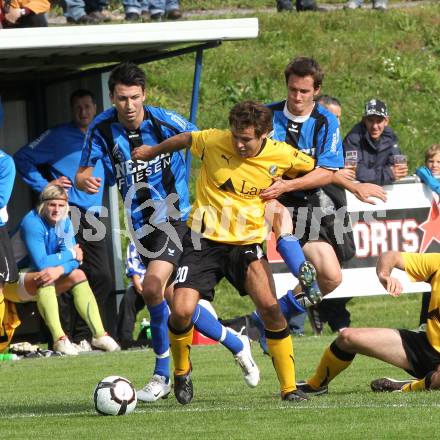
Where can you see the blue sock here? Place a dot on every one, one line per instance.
(290, 249)
(208, 325)
(289, 307)
(159, 334)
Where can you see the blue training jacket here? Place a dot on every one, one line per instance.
(155, 191)
(47, 245)
(428, 178)
(60, 148)
(7, 176)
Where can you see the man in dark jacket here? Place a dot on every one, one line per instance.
(374, 145)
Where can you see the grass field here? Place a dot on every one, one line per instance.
(51, 398)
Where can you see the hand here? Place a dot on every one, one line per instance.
(348, 173)
(144, 152)
(137, 284)
(399, 170)
(62, 181)
(363, 191)
(79, 253)
(92, 184)
(391, 284)
(278, 187)
(13, 15)
(48, 276)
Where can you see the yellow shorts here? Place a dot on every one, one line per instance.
(16, 292)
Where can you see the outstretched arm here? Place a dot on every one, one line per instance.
(363, 191)
(174, 143)
(315, 179)
(386, 263)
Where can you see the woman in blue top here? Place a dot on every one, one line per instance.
(48, 236)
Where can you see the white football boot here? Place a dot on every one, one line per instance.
(247, 364)
(64, 346)
(158, 388)
(106, 343)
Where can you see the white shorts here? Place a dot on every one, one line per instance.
(16, 292)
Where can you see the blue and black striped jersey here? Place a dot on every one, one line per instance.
(318, 134)
(154, 191)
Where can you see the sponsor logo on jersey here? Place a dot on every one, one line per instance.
(273, 170)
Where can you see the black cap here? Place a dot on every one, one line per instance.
(376, 107)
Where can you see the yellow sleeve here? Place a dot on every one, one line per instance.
(421, 267)
(301, 163)
(199, 141)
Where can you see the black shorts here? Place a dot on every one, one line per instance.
(8, 267)
(323, 215)
(164, 243)
(421, 356)
(202, 268)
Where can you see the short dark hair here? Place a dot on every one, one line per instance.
(305, 66)
(251, 114)
(127, 73)
(81, 93)
(328, 100)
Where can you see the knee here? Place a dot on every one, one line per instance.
(152, 290)
(435, 380)
(77, 276)
(329, 283)
(346, 339)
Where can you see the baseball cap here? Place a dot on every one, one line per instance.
(376, 107)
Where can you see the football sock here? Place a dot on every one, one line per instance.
(418, 385)
(180, 349)
(48, 307)
(2, 310)
(333, 361)
(289, 307)
(290, 249)
(159, 337)
(208, 325)
(87, 307)
(280, 348)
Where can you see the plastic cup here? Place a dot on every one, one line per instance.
(399, 159)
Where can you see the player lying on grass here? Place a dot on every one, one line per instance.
(418, 353)
(227, 228)
(48, 246)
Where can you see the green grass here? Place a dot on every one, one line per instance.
(51, 398)
(394, 56)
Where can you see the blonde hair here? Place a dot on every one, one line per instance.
(432, 151)
(52, 192)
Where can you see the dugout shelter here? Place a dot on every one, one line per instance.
(41, 67)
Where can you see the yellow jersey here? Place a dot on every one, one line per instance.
(426, 267)
(228, 207)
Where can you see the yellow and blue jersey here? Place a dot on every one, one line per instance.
(228, 207)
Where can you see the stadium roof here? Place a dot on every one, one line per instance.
(56, 52)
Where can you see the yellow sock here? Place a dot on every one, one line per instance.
(85, 303)
(48, 307)
(2, 311)
(333, 361)
(415, 385)
(180, 349)
(419, 384)
(280, 347)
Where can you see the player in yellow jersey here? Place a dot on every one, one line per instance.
(226, 231)
(416, 352)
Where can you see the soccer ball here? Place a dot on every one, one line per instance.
(114, 396)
